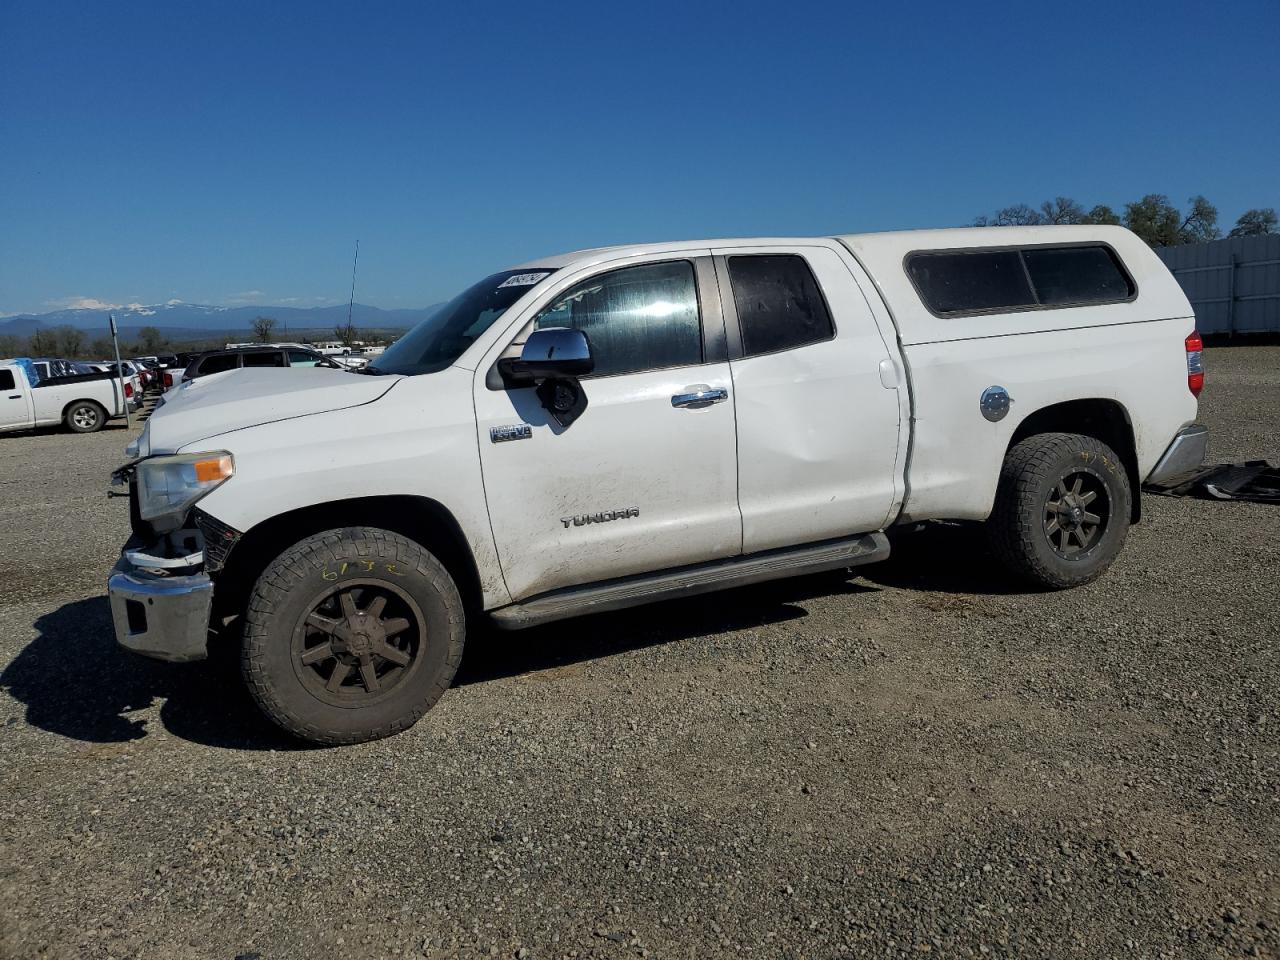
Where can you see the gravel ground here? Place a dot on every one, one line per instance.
(911, 761)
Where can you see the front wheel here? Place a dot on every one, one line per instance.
(351, 635)
(1062, 510)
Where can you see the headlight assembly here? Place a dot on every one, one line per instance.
(168, 486)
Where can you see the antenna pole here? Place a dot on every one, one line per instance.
(351, 303)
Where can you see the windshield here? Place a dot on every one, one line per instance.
(442, 338)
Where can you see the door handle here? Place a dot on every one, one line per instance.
(699, 395)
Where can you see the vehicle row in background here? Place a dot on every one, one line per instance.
(257, 355)
(82, 401)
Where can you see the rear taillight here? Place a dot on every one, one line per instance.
(128, 390)
(168, 379)
(1195, 363)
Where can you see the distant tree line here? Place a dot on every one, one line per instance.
(1153, 218)
(75, 344)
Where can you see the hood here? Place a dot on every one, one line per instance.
(247, 398)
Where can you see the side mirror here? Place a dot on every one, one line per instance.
(552, 360)
(552, 353)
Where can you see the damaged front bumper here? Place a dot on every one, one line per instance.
(161, 606)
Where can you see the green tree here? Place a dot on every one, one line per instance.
(1254, 223)
(1155, 220)
(43, 343)
(70, 341)
(346, 333)
(9, 345)
(1019, 215)
(150, 340)
(262, 327)
(1102, 214)
(1061, 210)
(1201, 222)
(102, 348)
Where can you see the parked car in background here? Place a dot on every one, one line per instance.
(129, 370)
(46, 367)
(219, 361)
(82, 402)
(331, 348)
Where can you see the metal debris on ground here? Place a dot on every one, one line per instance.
(1254, 480)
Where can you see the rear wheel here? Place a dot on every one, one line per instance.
(1062, 510)
(351, 635)
(85, 416)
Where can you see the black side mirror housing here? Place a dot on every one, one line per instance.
(548, 354)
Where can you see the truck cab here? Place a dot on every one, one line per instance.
(609, 427)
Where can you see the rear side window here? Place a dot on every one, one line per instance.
(218, 363)
(273, 359)
(779, 303)
(6, 380)
(301, 358)
(961, 282)
(1076, 275)
(637, 318)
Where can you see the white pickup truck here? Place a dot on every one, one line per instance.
(83, 403)
(605, 428)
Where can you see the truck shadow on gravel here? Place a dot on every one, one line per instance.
(943, 558)
(494, 654)
(76, 682)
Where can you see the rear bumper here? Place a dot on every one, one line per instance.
(162, 617)
(1185, 453)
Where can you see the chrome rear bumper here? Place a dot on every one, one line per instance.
(162, 617)
(1187, 452)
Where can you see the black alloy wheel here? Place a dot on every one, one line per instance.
(358, 641)
(1076, 513)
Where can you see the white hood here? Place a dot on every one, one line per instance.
(246, 398)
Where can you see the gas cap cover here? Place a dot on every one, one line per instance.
(995, 403)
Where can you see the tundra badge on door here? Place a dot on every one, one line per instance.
(583, 519)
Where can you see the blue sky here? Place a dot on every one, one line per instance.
(233, 153)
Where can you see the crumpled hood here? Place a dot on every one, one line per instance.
(246, 398)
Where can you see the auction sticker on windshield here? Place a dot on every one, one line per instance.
(524, 279)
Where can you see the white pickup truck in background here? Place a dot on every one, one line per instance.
(82, 403)
(604, 428)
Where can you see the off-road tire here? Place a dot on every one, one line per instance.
(84, 416)
(1028, 481)
(284, 593)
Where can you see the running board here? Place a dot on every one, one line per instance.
(688, 581)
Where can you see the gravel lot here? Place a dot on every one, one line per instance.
(911, 761)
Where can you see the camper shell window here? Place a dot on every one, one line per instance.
(981, 280)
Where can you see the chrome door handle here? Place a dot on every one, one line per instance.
(699, 395)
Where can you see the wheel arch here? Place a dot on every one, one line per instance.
(1102, 418)
(421, 519)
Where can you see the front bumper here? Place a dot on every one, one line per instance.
(165, 617)
(1185, 454)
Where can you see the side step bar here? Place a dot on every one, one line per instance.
(687, 581)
